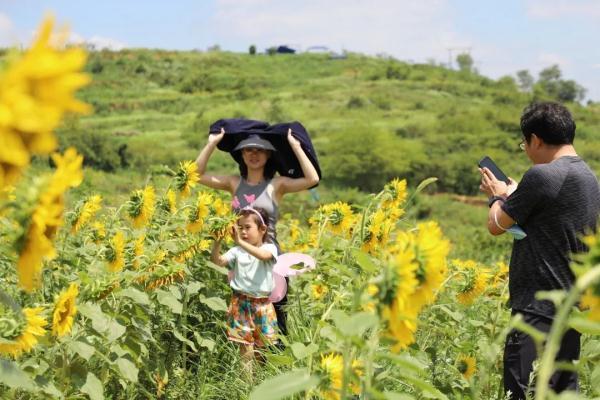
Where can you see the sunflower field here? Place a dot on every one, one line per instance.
(105, 302)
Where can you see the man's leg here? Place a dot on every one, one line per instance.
(519, 354)
(570, 348)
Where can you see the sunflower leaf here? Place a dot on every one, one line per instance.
(284, 386)
(93, 387)
(12, 376)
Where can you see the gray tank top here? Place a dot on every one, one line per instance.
(260, 196)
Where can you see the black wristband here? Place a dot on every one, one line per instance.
(493, 199)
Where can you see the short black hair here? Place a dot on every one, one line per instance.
(551, 122)
(268, 173)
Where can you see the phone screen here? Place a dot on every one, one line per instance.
(489, 164)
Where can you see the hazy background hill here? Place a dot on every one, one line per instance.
(371, 119)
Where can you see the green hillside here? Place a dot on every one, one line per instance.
(371, 118)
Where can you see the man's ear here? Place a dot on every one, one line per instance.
(536, 141)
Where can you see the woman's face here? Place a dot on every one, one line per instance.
(255, 158)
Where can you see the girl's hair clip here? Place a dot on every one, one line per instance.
(249, 208)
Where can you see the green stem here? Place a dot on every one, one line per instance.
(557, 330)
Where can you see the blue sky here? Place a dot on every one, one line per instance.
(503, 36)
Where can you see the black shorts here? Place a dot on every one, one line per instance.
(520, 353)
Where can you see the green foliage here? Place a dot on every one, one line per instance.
(465, 62)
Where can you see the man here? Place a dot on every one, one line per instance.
(557, 201)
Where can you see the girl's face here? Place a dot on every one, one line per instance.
(255, 158)
(250, 231)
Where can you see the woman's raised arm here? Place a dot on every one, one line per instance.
(310, 178)
(220, 182)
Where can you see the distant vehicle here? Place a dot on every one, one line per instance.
(285, 50)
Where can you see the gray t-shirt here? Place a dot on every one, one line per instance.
(555, 204)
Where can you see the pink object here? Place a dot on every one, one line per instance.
(250, 198)
(235, 203)
(280, 288)
(286, 261)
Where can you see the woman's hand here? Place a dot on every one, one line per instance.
(292, 140)
(216, 137)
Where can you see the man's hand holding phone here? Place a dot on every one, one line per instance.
(491, 186)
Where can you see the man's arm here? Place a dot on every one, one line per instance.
(498, 221)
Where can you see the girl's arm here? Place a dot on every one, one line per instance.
(310, 179)
(215, 255)
(261, 254)
(213, 181)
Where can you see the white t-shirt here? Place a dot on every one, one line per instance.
(251, 275)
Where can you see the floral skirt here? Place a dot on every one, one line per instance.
(251, 320)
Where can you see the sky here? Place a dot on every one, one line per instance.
(502, 36)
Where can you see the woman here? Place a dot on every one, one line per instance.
(257, 184)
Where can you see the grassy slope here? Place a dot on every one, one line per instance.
(370, 119)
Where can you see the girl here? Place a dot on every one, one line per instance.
(257, 184)
(251, 316)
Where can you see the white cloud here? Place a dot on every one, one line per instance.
(8, 35)
(403, 28)
(548, 59)
(551, 9)
(97, 42)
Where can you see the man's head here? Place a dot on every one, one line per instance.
(550, 122)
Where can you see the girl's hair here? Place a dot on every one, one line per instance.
(268, 173)
(259, 215)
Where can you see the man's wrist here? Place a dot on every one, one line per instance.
(493, 199)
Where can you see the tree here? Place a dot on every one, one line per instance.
(525, 80)
(252, 50)
(570, 91)
(550, 74)
(465, 62)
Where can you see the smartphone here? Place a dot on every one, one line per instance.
(487, 162)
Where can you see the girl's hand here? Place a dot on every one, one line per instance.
(235, 234)
(292, 140)
(216, 137)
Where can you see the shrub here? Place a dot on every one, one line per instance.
(355, 102)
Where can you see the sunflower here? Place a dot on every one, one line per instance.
(35, 92)
(171, 201)
(115, 252)
(591, 300)
(64, 311)
(221, 208)
(199, 212)
(466, 366)
(473, 283)
(333, 366)
(397, 310)
(501, 273)
(86, 213)
(431, 250)
(318, 290)
(46, 218)
(377, 232)
(138, 250)
(189, 252)
(337, 217)
(394, 195)
(98, 231)
(27, 338)
(357, 371)
(186, 177)
(141, 206)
